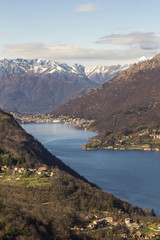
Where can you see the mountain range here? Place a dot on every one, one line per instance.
(98, 74)
(37, 86)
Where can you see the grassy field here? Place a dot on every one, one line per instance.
(33, 180)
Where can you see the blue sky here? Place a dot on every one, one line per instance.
(80, 31)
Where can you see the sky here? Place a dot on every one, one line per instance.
(95, 32)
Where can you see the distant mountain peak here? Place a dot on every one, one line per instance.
(39, 66)
(102, 74)
(143, 59)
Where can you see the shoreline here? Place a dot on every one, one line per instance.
(139, 141)
(49, 118)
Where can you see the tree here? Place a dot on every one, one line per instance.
(153, 214)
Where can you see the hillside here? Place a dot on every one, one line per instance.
(32, 92)
(21, 149)
(64, 208)
(56, 203)
(130, 101)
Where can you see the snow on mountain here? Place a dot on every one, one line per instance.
(35, 65)
(98, 74)
(101, 74)
(142, 59)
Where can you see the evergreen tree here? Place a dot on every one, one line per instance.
(153, 213)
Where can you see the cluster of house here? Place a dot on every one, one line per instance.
(100, 223)
(39, 171)
(140, 235)
(27, 118)
(109, 221)
(48, 118)
(155, 136)
(130, 224)
(77, 122)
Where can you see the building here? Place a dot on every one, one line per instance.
(127, 221)
(109, 219)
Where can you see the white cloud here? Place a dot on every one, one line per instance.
(144, 40)
(131, 47)
(26, 50)
(74, 53)
(89, 7)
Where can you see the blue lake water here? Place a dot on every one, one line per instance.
(130, 175)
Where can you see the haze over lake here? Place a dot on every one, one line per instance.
(130, 175)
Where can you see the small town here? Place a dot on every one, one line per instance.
(133, 230)
(49, 118)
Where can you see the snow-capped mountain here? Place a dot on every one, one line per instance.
(143, 59)
(98, 74)
(40, 85)
(37, 66)
(102, 74)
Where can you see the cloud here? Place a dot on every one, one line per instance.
(144, 40)
(74, 53)
(89, 7)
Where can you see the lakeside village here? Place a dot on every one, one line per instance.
(49, 118)
(35, 177)
(145, 139)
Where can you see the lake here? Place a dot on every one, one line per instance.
(130, 175)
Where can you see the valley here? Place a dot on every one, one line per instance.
(132, 124)
(40, 196)
(79, 120)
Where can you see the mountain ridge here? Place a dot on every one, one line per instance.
(19, 147)
(128, 101)
(23, 92)
(39, 66)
